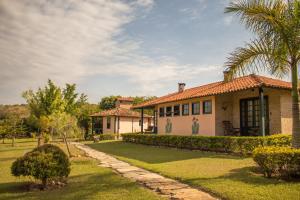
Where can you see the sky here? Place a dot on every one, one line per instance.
(114, 47)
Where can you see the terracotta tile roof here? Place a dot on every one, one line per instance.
(238, 84)
(125, 99)
(120, 112)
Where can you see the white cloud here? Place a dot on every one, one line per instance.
(70, 40)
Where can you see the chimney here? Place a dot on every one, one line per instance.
(181, 87)
(226, 76)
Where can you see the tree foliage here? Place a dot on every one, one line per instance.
(52, 99)
(108, 102)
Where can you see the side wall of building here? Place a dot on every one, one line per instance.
(131, 125)
(182, 125)
(286, 113)
(112, 125)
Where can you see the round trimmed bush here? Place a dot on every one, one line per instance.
(280, 161)
(45, 163)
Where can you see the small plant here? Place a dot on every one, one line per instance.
(45, 163)
(278, 161)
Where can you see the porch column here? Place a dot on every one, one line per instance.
(262, 112)
(154, 121)
(142, 120)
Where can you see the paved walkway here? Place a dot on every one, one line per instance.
(164, 186)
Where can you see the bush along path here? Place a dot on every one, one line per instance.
(164, 186)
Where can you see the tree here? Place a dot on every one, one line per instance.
(84, 119)
(64, 125)
(3, 130)
(72, 102)
(52, 100)
(142, 99)
(276, 48)
(14, 125)
(109, 102)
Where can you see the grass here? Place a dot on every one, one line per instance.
(86, 181)
(227, 176)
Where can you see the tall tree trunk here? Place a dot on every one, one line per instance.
(295, 107)
(66, 142)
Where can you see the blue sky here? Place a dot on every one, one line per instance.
(129, 48)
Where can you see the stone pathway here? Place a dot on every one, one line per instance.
(164, 186)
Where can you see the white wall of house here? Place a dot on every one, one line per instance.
(124, 125)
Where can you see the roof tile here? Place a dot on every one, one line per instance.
(237, 84)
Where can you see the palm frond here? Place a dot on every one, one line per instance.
(258, 55)
(260, 16)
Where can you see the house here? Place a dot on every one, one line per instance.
(248, 105)
(121, 119)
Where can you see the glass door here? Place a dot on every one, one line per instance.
(250, 116)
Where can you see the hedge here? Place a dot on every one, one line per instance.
(228, 144)
(107, 136)
(279, 161)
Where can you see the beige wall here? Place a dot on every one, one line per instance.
(112, 125)
(286, 113)
(131, 125)
(279, 109)
(126, 125)
(182, 125)
(224, 111)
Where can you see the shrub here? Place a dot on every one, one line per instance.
(244, 145)
(281, 161)
(107, 136)
(47, 162)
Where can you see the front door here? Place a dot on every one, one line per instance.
(250, 116)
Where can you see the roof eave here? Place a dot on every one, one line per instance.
(257, 86)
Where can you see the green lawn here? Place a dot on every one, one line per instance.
(229, 177)
(87, 180)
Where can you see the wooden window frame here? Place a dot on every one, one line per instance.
(203, 107)
(193, 111)
(170, 113)
(162, 114)
(174, 113)
(188, 109)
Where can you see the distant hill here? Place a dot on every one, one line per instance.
(19, 109)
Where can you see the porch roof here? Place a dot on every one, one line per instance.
(120, 112)
(221, 87)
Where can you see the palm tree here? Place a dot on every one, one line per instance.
(276, 49)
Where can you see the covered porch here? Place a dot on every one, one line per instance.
(252, 112)
(97, 124)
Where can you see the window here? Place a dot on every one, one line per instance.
(168, 111)
(207, 107)
(176, 110)
(196, 108)
(185, 109)
(108, 122)
(161, 112)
